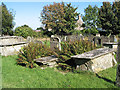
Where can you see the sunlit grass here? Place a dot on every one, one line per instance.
(15, 76)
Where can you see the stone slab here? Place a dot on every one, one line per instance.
(46, 59)
(94, 53)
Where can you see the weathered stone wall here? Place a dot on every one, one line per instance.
(102, 62)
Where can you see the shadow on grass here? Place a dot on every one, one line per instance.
(105, 79)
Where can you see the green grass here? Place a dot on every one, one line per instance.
(15, 76)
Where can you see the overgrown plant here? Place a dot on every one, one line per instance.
(32, 51)
(72, 48)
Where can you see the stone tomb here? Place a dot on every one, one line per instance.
(10, 45)
(110, 45)
(95, 60)
(49, 60)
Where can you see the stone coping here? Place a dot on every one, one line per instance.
(12, 44)
(110, 43)
(7, 37)
(94, 53)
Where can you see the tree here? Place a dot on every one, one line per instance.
(116, 10)
(70, 17)
(107, 18)
(60, 18)
(24, 31)
(40, 28)
(91, 20)
(7, 21)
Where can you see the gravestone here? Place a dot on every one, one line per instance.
(55, 42)
(29, 39)
(112, 38)
(97, 41)
(105, 39)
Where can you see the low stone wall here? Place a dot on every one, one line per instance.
(95, 60)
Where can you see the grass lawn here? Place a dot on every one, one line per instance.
(15, 76)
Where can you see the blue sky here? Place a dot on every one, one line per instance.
(29, 12)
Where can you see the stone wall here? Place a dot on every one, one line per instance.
(102, 62)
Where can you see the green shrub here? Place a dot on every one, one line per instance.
(24, 31)
(32, 51)
(73, 48)
(69, 49)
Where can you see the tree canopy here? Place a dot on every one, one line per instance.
(60, 18)
(24, 31)
(7, 21)
(116, 10)
(109, 15)
(91, 20)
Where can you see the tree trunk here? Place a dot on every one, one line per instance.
(118, 66)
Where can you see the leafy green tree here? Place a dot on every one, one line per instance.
(107, 18)
(24, 31)
(116, 11)
(91, 20)
(70, 17)
(40, 28)
(7, 21)
(60, 18)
